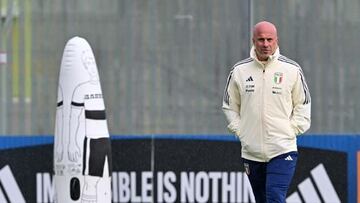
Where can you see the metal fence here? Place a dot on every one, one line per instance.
(163, 63)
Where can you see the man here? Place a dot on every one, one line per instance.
(267, 104)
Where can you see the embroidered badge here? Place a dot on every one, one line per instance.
(278, 77)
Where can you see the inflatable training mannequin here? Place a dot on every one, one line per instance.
(82, 150)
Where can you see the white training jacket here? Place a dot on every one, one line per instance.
(267, 106)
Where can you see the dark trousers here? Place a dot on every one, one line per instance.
(270, 180)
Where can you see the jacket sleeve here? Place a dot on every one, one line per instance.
(231, 104)
(301, 115)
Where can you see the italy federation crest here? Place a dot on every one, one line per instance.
(278, 77)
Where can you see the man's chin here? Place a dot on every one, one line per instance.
(264, 56)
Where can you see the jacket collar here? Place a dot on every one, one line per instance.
(271, 58)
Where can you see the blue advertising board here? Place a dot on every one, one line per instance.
(178, 164)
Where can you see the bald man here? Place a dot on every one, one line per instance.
(267, 105)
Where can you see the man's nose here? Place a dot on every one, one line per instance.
(266, 43)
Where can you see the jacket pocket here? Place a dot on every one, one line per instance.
(240, 132)
(292, 130)
(234, 127)
(295, 129)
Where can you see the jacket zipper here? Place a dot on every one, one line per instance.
(263, 115)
